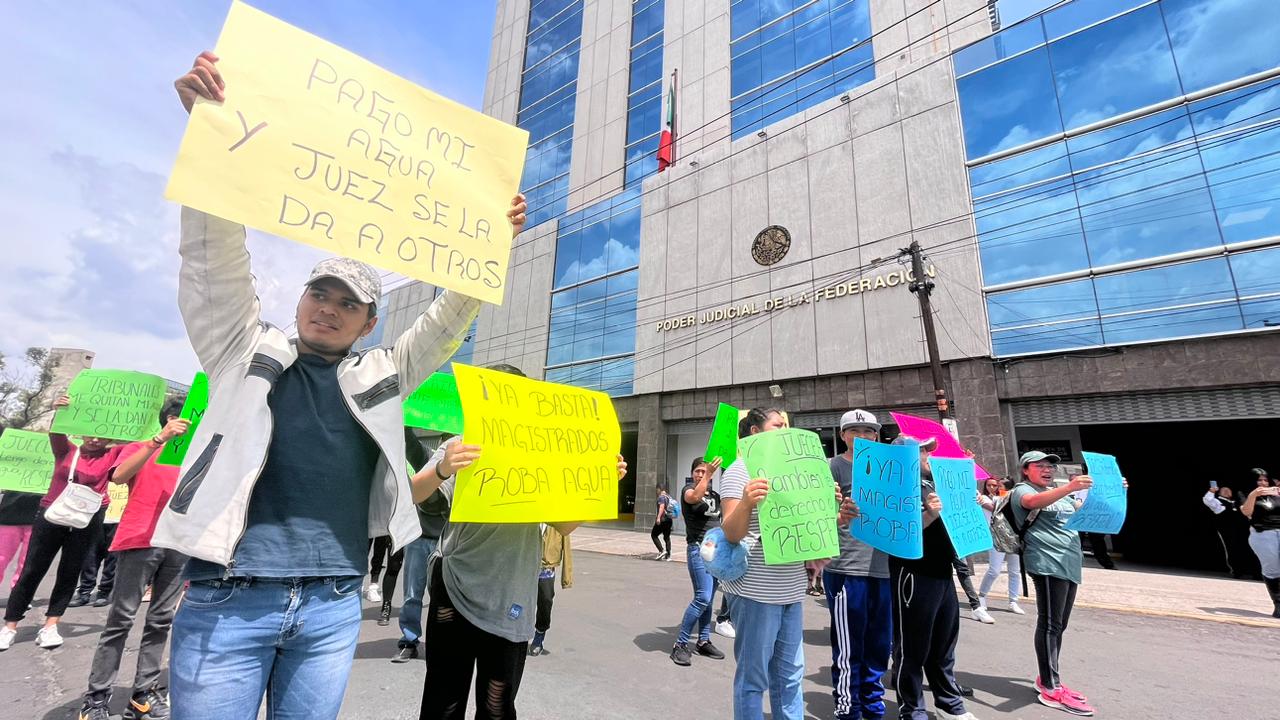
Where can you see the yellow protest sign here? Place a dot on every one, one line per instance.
(321, 146)
(548, 452)
(119, 495)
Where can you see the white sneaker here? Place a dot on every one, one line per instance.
(1015, 608)
(373, 593)
(726, 629)
(944, 715)
(48, 637)
(984, 617)
(6, 637)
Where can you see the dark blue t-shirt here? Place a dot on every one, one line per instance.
(309, 512)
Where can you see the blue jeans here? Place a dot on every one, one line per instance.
(292, 639)
(416, 557)
(769, 651)
(861, 639)
(704, 588)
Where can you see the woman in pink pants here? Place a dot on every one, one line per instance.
(16, 513)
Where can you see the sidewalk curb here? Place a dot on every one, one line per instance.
(1147, 612)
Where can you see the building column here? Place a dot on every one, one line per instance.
(651, 463)
(977, 411)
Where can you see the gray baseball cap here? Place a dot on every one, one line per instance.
(858, 418)
(1033, 456)
(362, 279)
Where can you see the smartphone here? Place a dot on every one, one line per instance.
(1213, 485)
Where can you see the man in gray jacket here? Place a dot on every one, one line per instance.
(300, 458)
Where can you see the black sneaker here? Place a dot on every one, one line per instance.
(94, 710)
(681, 655)
(706, 649)
(384, 618)
(102, 601)
(405, 654)
(79, 601)
(150, 705)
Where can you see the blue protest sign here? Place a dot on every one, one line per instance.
(1107, 503)
(886, 487)
(956, 482)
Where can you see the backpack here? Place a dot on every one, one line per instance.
(1006, 536)
(673, 508)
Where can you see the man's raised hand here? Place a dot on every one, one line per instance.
(203, 80)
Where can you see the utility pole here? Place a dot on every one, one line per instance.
(922, 286)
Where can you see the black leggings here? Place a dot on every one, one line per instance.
(1054, 599)
(382, 546)
(46, 540)
(664, 529)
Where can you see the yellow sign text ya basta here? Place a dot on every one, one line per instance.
(318, 145)
(548, 452)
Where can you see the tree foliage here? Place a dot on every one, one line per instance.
(24, 389)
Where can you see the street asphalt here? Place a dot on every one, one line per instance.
(613, 630)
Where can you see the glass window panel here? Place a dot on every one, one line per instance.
(1146, 207)
(744, 17)
(1062, 301)
(746, 116)
(778, 100)
(1257, 273)
(645, 69)
(645, 116)
(853, 68)
(1216, 40)
(549, 76)
(1079, 13)
(547, 200)
(1009, 104)
(1238, 109)
(543, 10)
(1244, 178)
(746, 72)
(813, 41)
(1121, 65)
(1117, 142)
(616, 342)
(778, 57)
(1163, 287)
(1004, 44)
(1021, 169)
(1028, 233)
(616, 376)
(646, 21)
(1171, 323)
(850, 24)
(642, 160)
(552, 36)
(560, 345)
(592, 260)
(624, 243)
(1046, 338)
(567, 266)
(591, 292)
(1261, 313)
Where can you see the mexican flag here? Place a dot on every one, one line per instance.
(666, 144)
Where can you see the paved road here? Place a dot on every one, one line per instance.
(613, 631)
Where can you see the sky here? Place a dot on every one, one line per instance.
(91, 126)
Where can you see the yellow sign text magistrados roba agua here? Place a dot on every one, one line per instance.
(548, 452)
(318, 145)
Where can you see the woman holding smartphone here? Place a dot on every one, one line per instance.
(1262, 507)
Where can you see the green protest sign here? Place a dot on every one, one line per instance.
(723, 442)
(798, 517)
(26, 462)
(435, 405)
(112, 404)
(193, 409)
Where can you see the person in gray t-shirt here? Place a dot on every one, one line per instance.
(859, 596)
(484, 594)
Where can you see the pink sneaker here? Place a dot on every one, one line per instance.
(1061, 699)
(1079, 696)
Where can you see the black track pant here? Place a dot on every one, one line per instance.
(926, 621)
(46, 540)
(1054, 599)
